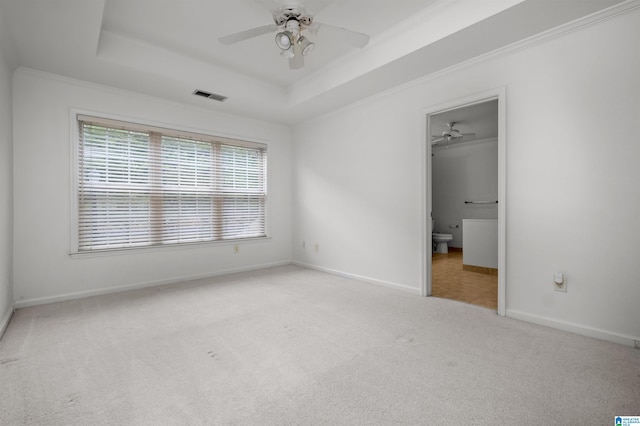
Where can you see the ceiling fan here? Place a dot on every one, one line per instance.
(291, 19)
(450, 134)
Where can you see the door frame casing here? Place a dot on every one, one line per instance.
(427, 202)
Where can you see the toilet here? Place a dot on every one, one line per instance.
(440, 240)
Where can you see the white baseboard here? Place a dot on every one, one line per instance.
(396, 286)
(574, 328)
(5, 321)
(83, 294)
(510, 313)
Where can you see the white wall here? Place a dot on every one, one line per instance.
(6, 198)
(43, 269)
(573, 193)
(464, 172)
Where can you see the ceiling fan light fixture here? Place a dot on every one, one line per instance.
(288, 53)
(284, 40)
(290, 20)
(306, 46)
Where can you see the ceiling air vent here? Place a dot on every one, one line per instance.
(213, 96)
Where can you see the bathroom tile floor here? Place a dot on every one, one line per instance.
(450, 281)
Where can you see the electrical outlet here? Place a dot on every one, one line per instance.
(560, 282)
(317, 247)
(560, 287)
(304, 245)
(236, 249)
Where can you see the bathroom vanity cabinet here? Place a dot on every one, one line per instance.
(480, 243)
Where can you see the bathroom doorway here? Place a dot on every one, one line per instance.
(465, 198)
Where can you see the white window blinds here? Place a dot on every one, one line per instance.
(142, 186)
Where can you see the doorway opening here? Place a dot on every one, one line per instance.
(464, 250)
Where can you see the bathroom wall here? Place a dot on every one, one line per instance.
(464, 172)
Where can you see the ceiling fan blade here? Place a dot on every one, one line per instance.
(437, 140)
(297, 61)
(468, 135)
(247, 34)
(353, 38)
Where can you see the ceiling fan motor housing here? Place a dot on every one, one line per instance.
(284, 15)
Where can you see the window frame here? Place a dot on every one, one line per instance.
(168, 130)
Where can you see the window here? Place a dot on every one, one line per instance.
(140, 186)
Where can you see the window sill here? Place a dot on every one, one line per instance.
(165, 248)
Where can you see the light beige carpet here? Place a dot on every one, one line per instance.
(293, 346)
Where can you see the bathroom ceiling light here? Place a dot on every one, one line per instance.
(451, 134)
